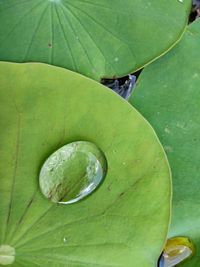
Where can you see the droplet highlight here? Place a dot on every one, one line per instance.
(7, 255)
(72, 172)
(176, 251)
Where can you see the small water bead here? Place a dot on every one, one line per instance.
(7, 255)
(72, 172)
(55, 1)
(176, 251)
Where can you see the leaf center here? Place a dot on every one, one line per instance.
(7, 255)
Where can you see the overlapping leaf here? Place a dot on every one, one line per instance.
(168, 95)
(98, 38)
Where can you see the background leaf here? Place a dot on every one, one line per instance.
(168, 94)
(124, 222)
(98, 38)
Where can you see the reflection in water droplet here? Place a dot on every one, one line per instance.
(176, 250)
(72, 172)
(7, 255)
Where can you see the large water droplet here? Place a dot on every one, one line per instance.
(7, 255)
(72, 172)
(176, 251)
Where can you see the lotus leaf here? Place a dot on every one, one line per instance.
(98, 38)
(168, 95)
(125, 221)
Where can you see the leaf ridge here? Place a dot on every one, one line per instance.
(35, 31)
(14, 173)
(20, 20)
(66, 40)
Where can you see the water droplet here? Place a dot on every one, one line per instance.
(7, 255)
(176, 251)
(195, 75)
(167, 130)
(116, 59)
(181, 1)
(72, 172)
(55, 1)
(168, 149)
(64, 239)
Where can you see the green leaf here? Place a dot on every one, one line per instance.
(96, 38)
(168, 95)
(125, 221)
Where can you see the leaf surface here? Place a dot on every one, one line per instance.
(168, 95)
(125, 221)
(98, 38)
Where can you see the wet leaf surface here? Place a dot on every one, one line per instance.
(125, 221)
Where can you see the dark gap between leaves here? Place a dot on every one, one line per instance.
(124, 85)
(195, 12)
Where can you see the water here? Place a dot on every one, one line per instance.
(176, 251)
(72, 172)
(121, 87)
(196, 2)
